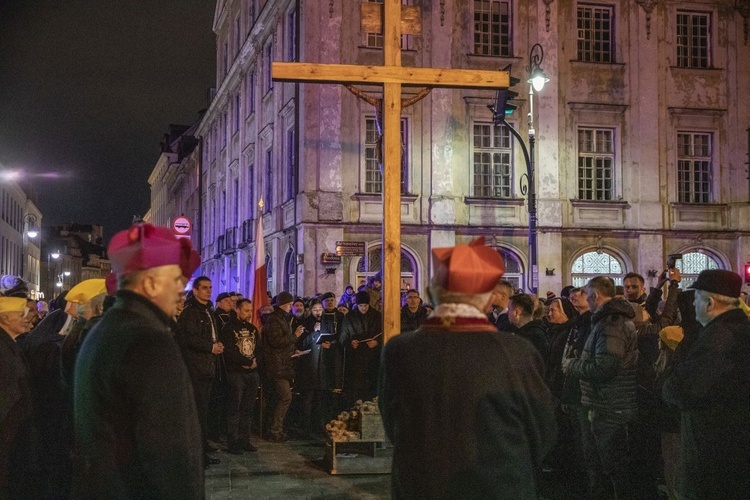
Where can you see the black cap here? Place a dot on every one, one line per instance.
(362, 298)
(284, 298)
(222, 296)
(720, 282)
(328, 295)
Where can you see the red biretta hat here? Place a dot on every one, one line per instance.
(144, 246)
(473, 268)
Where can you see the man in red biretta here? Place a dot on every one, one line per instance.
(137, 430)
(466, 408)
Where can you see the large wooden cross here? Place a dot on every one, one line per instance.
(392, 76)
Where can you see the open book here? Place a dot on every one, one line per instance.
(367, 340)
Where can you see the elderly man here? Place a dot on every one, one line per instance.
(15, 403)
(710, 387)
(607, 371)
(137, 429)
(464, 425)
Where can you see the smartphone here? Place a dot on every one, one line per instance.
(672, 260)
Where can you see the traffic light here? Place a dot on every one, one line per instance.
(747, 273)
(502, 105)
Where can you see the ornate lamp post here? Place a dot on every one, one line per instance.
(536, 81)
(30, 231)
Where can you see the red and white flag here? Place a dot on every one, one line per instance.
(259, 283)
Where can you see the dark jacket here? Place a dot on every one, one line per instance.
(410, 321)
(137, 429)
(535, 332)
(571, 392)
(607, 367)
(241, 345)
(195, 336)
(332, 359)
(361, 364)
(278, 345)
(710, 387)
(467, 411)
(557, 337)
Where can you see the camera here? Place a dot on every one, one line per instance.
(672, 260)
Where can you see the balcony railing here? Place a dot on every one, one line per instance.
(221, 245)
(247, 232)
(230, 239)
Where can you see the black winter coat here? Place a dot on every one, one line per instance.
(241, 345)
(137, 429)
(710, 387)
(571, 392)
(410, 321)
(361, 364)
(195, 335)
(535, 332)
(607, 368)
(278, 345)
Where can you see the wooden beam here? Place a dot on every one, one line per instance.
(371, 19)
(414, 77)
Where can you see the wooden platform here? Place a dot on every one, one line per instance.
(358, 457)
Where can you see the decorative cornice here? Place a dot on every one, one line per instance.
(743, 7)
(648, 8)
(547, 12)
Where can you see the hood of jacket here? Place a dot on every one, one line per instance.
(615, 306)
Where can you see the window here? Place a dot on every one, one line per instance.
(694, 155)
(371, 265)
(291, 52)
(250, 92)
(492, 176)
(373, 145)
(224, 129)
(596, 41)
(492, 36)
(269, 181)
(291, 167)
(236, 113)
(268, 62)
(597, 263)
(236, 211)
(225, 59)
(693, 39)
(375, 40)
(513, 269)
(290, 272)
(692, 264)
(596, 159)
(251, 191)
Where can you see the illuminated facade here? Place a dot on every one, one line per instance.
(641, 141)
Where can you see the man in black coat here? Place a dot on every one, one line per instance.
(412, 314)
(16, 477)
(278, 348)
(137, 429)
(198, 338)
(709, 385)
(465, 407)
(242, 348)
(521, 316)
(362, 339)
(607, 371)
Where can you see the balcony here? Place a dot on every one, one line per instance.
(221, 246)
(230, 239)
(247, 233)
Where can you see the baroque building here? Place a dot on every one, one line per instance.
(642, 138)
(20, 223)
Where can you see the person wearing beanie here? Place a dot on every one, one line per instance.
(278, 348)
(132, 388)
(362, 338)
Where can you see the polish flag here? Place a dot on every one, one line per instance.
(259, 286)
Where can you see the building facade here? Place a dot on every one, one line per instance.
(20, 223)
(642, 138)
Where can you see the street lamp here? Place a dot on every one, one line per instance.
(29, 222)
(536, 79)
(55, 254)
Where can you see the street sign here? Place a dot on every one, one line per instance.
(350, 248)
(330, 259)
(181, 225)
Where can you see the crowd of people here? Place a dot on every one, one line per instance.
(126, 387)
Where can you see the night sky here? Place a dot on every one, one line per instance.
(87, 91)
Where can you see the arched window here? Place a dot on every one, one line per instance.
(290, 272)
(513, 268)
(596, 263)
(692, 264)
(269, 273)
(369, 266)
